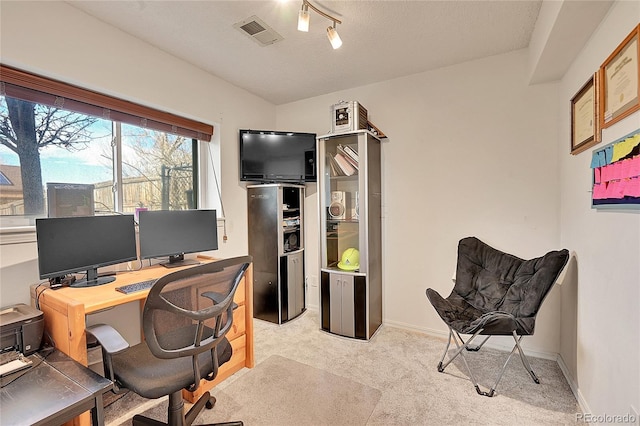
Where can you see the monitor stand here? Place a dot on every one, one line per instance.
(179, 260)
(92, 279)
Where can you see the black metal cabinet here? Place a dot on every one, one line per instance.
(276, 243)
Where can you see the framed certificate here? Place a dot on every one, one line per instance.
(585, 127)
(619, 76)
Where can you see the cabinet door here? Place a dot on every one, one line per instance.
(348, 323)
(295, 285)
(339, 199)
(263, 246)
(335, 303)
(325, 300)
(342, 305)
(299, 276)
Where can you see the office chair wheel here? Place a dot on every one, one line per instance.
(210, 403)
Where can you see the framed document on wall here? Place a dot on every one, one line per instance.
(585, 126)
(619, 76)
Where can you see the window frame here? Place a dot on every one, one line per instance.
(40, 89)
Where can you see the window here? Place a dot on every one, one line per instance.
(50, 133)
(157, 170)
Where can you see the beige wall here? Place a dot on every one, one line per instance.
(471, 151)
(601, 296)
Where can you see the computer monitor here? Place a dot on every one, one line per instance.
(77, 244)
(70, 199)
(175, 233)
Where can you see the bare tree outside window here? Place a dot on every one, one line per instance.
(26, 128)
(165, 161)
(41, 144)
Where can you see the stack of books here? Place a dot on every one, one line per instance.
(344, 162)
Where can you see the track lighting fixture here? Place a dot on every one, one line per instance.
(303, 23)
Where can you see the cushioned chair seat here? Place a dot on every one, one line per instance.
(465, 319)
(137, 370)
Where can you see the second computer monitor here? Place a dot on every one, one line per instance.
(174, 233)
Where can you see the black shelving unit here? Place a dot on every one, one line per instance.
(276, 242)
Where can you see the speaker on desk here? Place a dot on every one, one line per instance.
(337, 207)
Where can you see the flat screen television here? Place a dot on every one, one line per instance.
(269, 156)
(68, 245)
(174, 233)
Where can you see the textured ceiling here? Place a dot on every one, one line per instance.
(381, 39)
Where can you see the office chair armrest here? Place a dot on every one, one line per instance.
(110, 340)
(217, 298)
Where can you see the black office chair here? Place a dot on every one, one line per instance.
(495, 293)
(185, 318)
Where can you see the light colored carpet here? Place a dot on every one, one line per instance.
(397, 365)
(284, 392)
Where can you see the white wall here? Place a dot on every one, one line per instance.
(471, 151)
(58, 41)
(601, 297)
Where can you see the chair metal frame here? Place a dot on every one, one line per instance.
(462, 345)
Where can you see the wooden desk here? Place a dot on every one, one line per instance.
(65, 310)
(54, 390)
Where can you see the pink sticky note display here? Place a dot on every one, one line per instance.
(618, 179)
(597, 175)
(634, 166)
(599, 191)
(632, 188)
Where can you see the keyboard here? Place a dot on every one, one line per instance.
(132, 288)
(12, 361)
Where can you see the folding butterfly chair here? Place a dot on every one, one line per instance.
(495, 293)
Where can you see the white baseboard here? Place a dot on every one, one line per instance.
(584, 407)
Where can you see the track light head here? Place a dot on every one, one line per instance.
(303, 18)
(334, 38)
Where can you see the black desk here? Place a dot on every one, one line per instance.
(54, 390)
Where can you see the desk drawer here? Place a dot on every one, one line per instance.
(239, 326)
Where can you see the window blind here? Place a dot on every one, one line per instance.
(34, 88)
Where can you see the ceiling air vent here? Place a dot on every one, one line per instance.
(256, 29)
